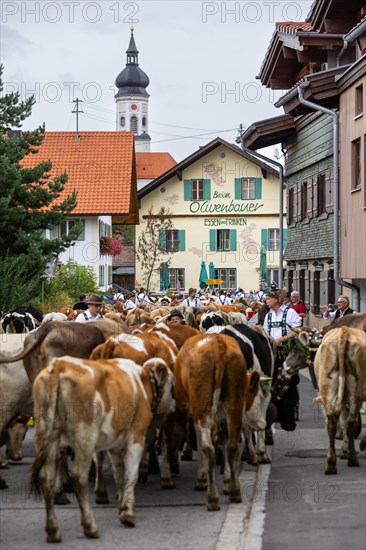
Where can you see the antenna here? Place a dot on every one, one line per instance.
(77, 112)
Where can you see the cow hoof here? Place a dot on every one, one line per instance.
(101, 498)
(186, 456)
(235, 497)
(343, 454)
(3, 484)
(213, 504)
(61, 498)
(127, 519)
(352, 462)
(54, 536)
(167, 483)
(263, 458)
(4, 465)
(331, 469)
(363, 444)
(91, 533)
(200, 485)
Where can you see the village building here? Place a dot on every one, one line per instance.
(223, 205)
(321, 63)
(101, 168)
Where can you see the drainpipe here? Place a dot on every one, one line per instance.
(270, 161)
(335, 117)
(345, 46)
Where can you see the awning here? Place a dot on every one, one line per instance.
(129, 270)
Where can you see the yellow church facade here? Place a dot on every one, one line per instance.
(224, 207)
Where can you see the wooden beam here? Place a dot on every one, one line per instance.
(312, 55)
(289, 53)
(340, 26)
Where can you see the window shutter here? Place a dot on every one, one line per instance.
(82, 234)
(285, 233)
(288, 208)
(264, 238)
(187, 190)
(329, 205)
(315, 196)
(182, 240)
(207, 190)
(213, 240)
(258, 188)
(309, 199)
(54, 232)
(238, 195)
(162, 239)
(232, 239)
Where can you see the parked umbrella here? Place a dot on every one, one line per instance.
(211, 269)
(164, 276)
(263, 264)
(203, 276)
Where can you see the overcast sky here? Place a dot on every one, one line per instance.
(201, 57)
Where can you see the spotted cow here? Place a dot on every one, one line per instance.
(112, 402)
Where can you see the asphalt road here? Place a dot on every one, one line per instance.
(290, 504)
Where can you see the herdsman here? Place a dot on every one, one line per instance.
(93, 312)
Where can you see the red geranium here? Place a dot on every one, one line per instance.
(110, 246)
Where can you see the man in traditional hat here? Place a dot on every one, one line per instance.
(176, 318)
(280, 318)
(93, 312)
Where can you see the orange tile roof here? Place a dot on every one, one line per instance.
(152, 165)
(99, 166)
(291, 27)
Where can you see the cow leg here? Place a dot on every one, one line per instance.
(3, 463)
(233, 457)
(209, 464)
(47, 481)
(126, 470)
(201, 477)
(100, 489)
(80, 476)
(263, 457)
(343, 429)
(249, 455)
(363, 444)
(166, 476)
(332, 420)
(352, 424)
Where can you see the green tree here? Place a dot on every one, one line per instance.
(28, 196)
(149, 251)
(73, 279)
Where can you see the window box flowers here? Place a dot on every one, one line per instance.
(110, 246)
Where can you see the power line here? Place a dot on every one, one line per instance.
(195, 136)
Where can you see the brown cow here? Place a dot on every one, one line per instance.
(139, 348)
(111, 410)
(354, 320)
(57, 338)
(210, 383)
(340, 368)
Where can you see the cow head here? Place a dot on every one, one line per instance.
(213, 318)
(162, 382)
(300, 351)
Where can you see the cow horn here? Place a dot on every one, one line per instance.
(265, 378)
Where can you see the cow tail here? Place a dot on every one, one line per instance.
(49, 419)
(219, 371)
(342, 350)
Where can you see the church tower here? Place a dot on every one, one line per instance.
(132, 99)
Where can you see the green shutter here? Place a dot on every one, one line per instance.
(182, 240)
(232, 239)
(82, 234)
(258, 188)
(54, 232)
(238, 194)
(187, 190)
(207, 190)
(213, 240)
(284, 238)
(264, 242)
(162, 239)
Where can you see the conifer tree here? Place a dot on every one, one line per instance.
(28, 196)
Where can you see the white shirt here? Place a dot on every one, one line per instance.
(292, 320)
(129, 304)
(81, 317)
(331, 316)
(118, 296)
(191, 303)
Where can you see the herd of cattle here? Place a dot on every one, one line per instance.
(132, 383)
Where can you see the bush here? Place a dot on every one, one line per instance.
(71, 279)
(54, 302)
(17, 287)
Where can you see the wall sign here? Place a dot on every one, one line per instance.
(206, 207)
(225, 221)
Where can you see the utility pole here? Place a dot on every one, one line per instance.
(77, 112)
